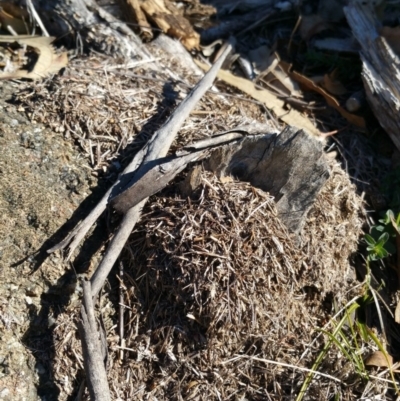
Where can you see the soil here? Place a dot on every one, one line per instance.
(43, 182)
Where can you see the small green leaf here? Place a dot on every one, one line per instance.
(398, 220)
(388, 217)
(369, 240)
(383, 239)
(382, 253)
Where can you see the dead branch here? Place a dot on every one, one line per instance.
(380, 70)
(91, 346)
(91, 24)
(157, 147)
(154, 181)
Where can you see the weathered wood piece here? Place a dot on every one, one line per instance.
(91, 346)
(146, 31)
(380, 70)
(92, 25)
(170, 21)
(291, 166)
(294, 159)
(154, 180)
(156, 176)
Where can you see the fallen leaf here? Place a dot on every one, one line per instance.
(331, 84)
(278, 78)
(47, 63)
(379, 359)
(311, 85)
(291, 117)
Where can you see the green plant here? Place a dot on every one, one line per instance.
(336, 337)
(350, 335)
(376, 248)
(382, 238)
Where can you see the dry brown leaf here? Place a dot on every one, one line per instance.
(172, 24)
(47, 63)
(278, 78)
(311, 85)
(392, 35)
(291, 117)
(331, 83)
(379, 359)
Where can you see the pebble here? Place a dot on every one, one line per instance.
(4, 392)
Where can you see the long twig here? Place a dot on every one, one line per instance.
(121, 311)
(79, 232)
(36, 17)
(93, 361)
(157, 147)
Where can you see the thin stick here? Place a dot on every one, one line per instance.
(157, 147)
(121, 311)
(79, 396)
(287, 365)
(36, 17)
(79, 232)
(93, 361)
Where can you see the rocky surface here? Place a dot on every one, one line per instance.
(43, 180)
